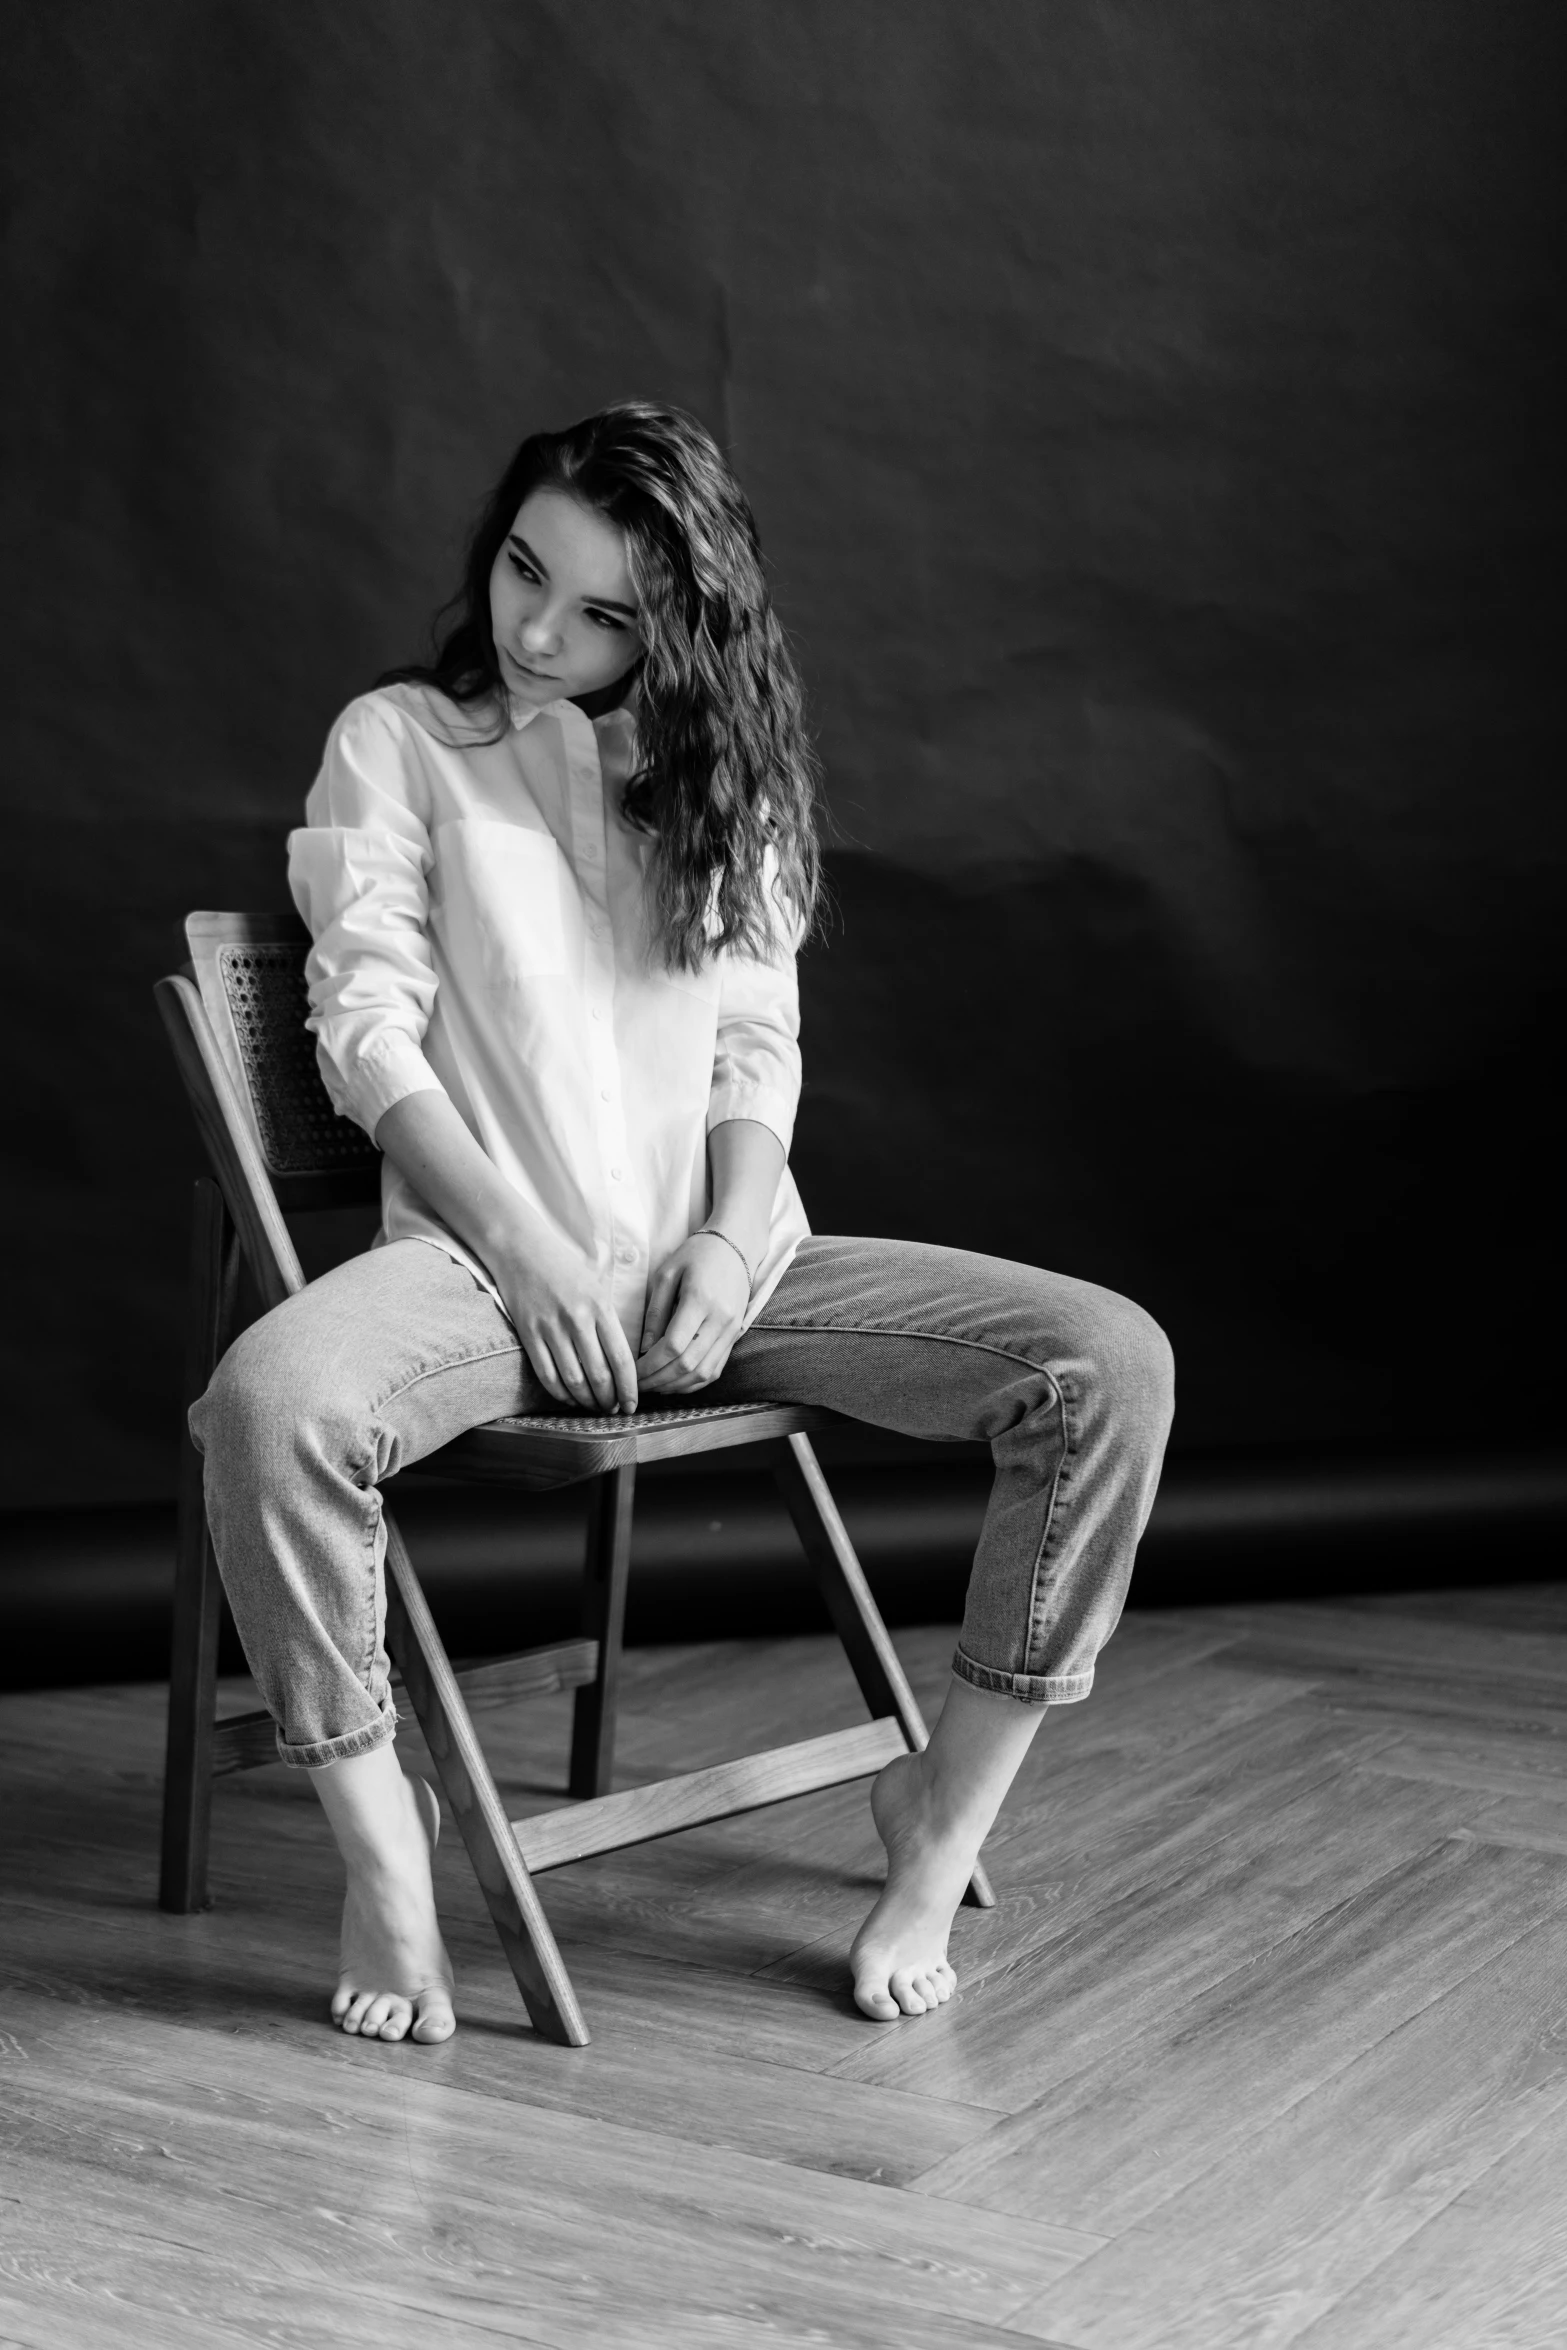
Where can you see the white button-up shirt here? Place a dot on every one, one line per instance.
(480, 924)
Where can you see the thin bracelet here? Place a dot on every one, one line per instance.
(711, 1232)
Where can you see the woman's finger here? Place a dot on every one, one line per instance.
(713, 1361)
(702, 1360)
(704, 1371)
(668, 1362)
(617, 1354)
(596, 1371)
(684, 1323)
(542, 1365)
(662, 1291)
(570, 1369)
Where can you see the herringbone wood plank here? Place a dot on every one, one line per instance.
(1266, 2024)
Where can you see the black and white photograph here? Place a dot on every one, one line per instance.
(783, 1456)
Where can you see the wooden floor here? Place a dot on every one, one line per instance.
(1266, 2042)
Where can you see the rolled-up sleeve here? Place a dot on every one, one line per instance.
(359, 870)
(756, 1063)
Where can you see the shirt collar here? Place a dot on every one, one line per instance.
(522, 714)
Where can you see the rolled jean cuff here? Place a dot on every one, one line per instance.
(343, 1749)
(1027, 1688)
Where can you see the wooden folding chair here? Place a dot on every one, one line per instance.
(236, 1020)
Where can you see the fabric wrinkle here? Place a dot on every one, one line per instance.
(477, 911)
(399, 1351)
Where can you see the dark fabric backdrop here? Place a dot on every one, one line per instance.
(1152, 419)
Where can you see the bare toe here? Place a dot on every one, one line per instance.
(433, 2017)
(376, 2013)
(872, 1997)
(903, 1991)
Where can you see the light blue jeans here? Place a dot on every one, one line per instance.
(397, 1352)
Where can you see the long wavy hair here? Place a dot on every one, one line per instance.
(728, 784)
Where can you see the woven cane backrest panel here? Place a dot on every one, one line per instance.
(300, 1133)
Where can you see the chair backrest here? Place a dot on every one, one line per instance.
(236, 1020)
(250, 969)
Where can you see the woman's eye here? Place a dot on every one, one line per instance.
(606, 620)
(524, 570)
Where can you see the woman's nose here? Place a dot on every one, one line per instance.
(541, 632)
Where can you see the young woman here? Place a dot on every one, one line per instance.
(556, 882)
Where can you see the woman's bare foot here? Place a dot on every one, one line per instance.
(933, 1811)
(396, 1979)
(899, 1955)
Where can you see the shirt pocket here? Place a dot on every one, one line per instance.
(500, 889)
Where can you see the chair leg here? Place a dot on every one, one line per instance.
(198, 1594)
(416, 1648)
(607, 1571)
(855, 1615)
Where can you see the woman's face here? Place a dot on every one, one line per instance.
(562, 605)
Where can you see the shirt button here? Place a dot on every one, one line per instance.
(590, 848)
(614, 1174)
(594, 1013)
(627, 1256)
(604, 1094)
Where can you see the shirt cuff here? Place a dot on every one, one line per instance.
(772, 1106)
(384, 1073)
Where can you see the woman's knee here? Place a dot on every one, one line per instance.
(1136, 1365)
(269, 1396)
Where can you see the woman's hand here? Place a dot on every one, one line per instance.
(559, 1306)
(569, 1329)
(696, 1302)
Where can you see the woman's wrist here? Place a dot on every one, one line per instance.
(502, 1226)
(516, 1242)
(712, 1231)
